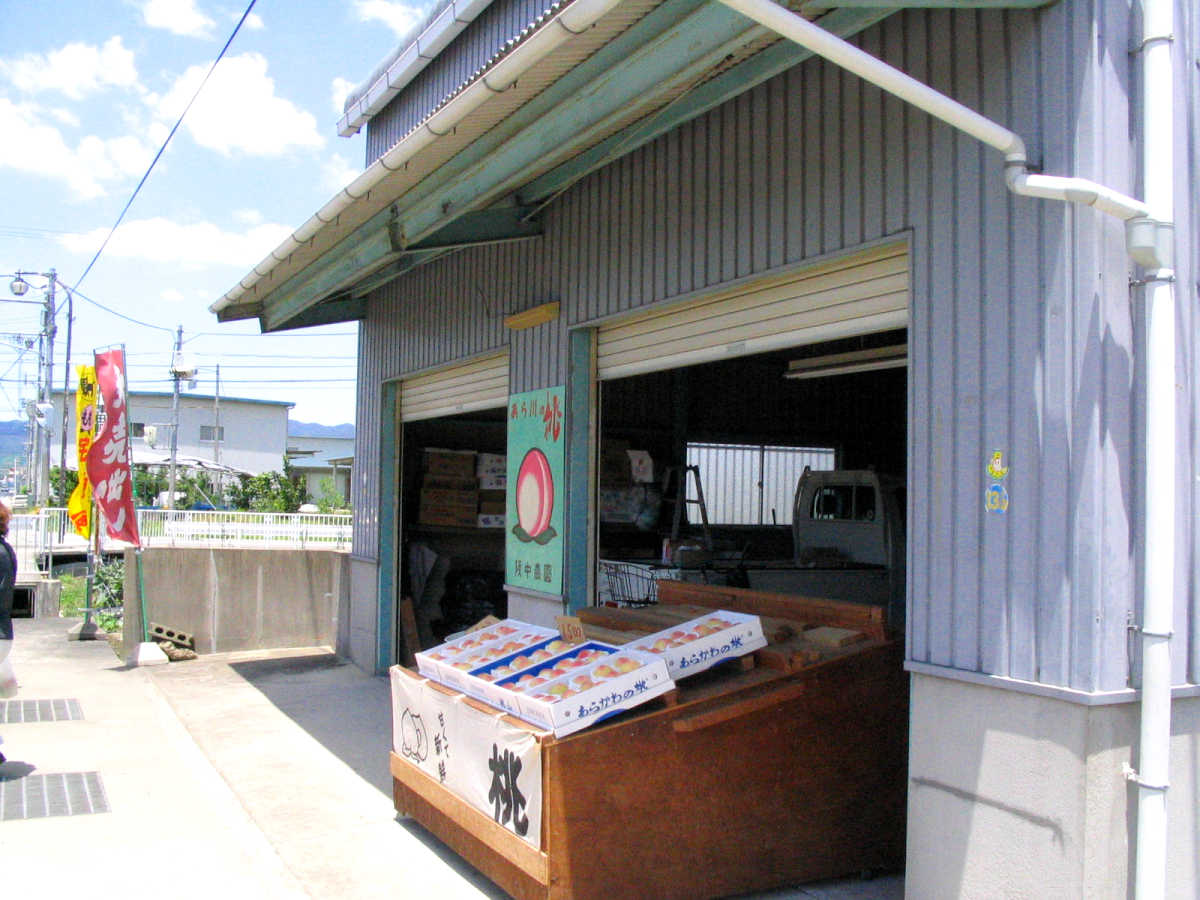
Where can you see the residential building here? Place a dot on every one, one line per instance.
(322, 454)
(246, 435)
(641, 216)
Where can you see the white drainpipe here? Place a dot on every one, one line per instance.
(1149, 239)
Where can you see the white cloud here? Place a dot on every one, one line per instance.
(253, 21)
(195, 245)
(75, 70)
(247, 216)
(34, 147)
(62, 116)
(337, 172)
(171, 295)
(340, 90)
(178, 17)
(238, 110)
(399, 17)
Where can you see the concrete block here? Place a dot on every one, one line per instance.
(147, 653)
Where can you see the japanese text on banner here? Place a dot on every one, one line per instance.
(79, 505)
(108, 459)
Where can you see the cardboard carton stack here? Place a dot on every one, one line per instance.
(449, 492)
(491, 469)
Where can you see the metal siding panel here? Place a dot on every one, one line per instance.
(997, 533)
(1187, 215)
(968, 461)
(1055, 525)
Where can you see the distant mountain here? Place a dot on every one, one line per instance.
(316, 430)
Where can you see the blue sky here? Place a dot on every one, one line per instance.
(89, 89)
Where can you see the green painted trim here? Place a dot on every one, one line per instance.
(327, 312)
(484, 226)
(581, 438)
(611, 55)
(363, 249)
(293, 294)
(759, 68)
(893, 5)
(389, 522)
(683, 53)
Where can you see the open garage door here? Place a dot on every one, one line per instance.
(849, 295)
(480, 383)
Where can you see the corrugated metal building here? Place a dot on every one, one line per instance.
(673, 195)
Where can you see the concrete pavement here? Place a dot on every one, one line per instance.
(256, 774)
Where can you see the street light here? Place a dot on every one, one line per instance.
(19, 287)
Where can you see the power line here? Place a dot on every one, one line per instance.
(99, 305)
(273, 334)
(162, 149)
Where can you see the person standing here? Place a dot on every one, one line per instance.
(8, 579)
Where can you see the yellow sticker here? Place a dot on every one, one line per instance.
(996, 467)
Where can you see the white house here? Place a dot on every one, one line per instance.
(250, 435)
(317, 452)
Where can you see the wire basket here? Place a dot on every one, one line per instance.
(630, 584)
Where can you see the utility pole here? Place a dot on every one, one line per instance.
(47, 387)
(175, 375)
(62, 450)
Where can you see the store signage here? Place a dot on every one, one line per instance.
(534, 542)
(484, 759)
(79, 504)
(571, 629)
(108, 459)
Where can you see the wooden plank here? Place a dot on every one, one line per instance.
(788, 656)
(610, 635)
(524, 856)
(812, 610)
(828, 636)
(735, 709)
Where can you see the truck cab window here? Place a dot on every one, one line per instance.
(846, 502)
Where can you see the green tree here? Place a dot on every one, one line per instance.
(62, 484)
(329, 498)
(269, 492)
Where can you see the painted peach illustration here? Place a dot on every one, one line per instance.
(534, 493)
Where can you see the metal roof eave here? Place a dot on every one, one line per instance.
(574, 116)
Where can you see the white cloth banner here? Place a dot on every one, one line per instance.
(494, 766)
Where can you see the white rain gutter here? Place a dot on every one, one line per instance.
(1150, 241)
(379, 91)
(1158, 575)
(575, 18)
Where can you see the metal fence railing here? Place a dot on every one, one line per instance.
(37, 536)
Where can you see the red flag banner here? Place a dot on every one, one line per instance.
(108, 460)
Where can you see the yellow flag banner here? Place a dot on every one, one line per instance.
(79, 506)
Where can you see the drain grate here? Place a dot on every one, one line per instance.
(61, 794)
(14, 711)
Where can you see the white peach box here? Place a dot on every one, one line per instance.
(701, 643)
(608, 694)
(501, 691)
(448, 662)
(480, 682)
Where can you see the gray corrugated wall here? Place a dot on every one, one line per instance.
(1021, 334)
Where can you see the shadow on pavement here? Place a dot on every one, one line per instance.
(345, 710)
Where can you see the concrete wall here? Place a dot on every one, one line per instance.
(1017, 795)
(240, 599)
(357, 637)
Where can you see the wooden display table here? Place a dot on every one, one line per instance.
(742, 779)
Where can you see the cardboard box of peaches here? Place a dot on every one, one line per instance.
(532, 673)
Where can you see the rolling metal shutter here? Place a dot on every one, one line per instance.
(842, 297)
(481, 383)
